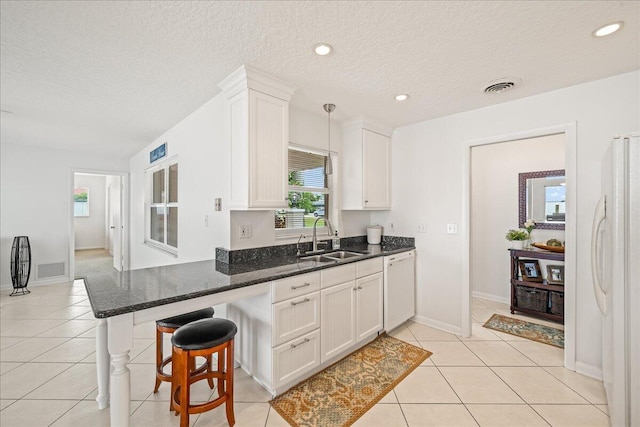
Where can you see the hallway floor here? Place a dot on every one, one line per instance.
(48, 375)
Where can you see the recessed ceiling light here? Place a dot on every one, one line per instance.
(401, 97)
(605, 30)
(322, 49)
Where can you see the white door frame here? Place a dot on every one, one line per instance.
(124, 214)
(570, 146)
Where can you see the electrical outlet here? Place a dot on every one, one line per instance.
(422, 228)
(452, 228)
(245, 231)
(206, 221)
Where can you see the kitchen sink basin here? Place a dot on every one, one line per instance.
(318, 258)
(331, 256)
(342, 255)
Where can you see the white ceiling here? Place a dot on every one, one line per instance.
(111, 76)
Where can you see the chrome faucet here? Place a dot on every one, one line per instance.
(315, 239)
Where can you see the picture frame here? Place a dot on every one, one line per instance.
(530, 270)
(555, 274)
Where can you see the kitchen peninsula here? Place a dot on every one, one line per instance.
(123, 299)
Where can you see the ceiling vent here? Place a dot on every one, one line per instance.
(502, 85)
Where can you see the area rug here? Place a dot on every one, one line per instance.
(343, 392)
(524, 329)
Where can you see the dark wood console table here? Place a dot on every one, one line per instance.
(536, 298)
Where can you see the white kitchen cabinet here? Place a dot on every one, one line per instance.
(352, 311)
(338, 319)
(369, 318)
(366, 166)
(295, 358)
(259, 119)
(294, 317)
(307, 322)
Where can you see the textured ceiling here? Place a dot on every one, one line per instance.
(111, 76)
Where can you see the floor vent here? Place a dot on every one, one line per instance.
(50, 270)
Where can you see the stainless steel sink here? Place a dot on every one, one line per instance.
(319, 258)
(342, 254)
(332, 256)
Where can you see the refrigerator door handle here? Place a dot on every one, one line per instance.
(598, 218)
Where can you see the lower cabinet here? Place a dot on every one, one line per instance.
(293, 359)
(307, 322)
(368, 313)
(352, 311)
(338, 324)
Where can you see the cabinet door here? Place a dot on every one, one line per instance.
(295, 358)
(294, 317)
(376, 152)
(368, 305)
(337, 322)
(268, 155)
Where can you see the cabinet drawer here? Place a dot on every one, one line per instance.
(337, 275)
(295, 317)
(370, 266)
(295, 358)
(295, 286)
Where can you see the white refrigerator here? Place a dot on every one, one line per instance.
(615, 261)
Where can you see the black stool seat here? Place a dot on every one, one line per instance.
(204, 333)
(169, 326)
(180, 320)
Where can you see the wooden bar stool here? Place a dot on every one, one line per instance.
(169, 326)
(203, 338)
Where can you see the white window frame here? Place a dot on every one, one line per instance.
(294, 233)
(148, 204)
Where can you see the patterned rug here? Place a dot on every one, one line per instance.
(524, 329)
(343, 392)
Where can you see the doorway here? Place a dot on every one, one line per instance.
(97, 226)
(474, 283)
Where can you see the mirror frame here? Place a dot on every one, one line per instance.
(522, 198)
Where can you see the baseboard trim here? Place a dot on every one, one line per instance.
(490, 297)
(58, 280)
(437, 324)
(86, 248)
(589, 370)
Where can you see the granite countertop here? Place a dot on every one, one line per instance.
(117, 293)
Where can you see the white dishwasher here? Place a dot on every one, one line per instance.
(399, 289)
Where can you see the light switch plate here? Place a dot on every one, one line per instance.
(245, 231)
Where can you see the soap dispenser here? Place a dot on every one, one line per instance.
(335, 244)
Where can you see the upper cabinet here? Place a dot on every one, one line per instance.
(366, 166)
(259, 114)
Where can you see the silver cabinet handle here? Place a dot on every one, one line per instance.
(306, 340)
(301, 286)
(300, 302)
(359, 287)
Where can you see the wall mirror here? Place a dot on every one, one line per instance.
(542, 198)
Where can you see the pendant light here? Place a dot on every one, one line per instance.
(328, 168)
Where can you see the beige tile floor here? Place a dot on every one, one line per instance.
(47, 375)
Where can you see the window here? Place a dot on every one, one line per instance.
(309, 194)
(554, 202)
(162, 206)
(80, 202)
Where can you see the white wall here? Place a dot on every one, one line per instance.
(89, 231)
(201, 143)
(427, 188)
(494, 206)
(36, 200)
